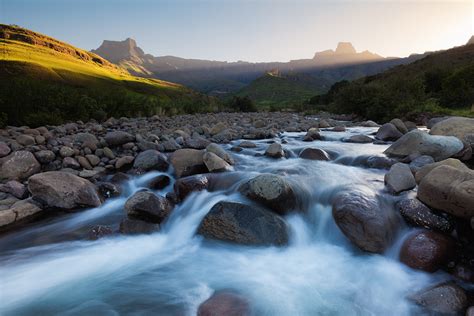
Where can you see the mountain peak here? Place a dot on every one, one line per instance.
(345, 48)
(116, 51)
(471, 40)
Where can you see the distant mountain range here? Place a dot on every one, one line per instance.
(220, 77)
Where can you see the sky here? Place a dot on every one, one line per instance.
(250, 30)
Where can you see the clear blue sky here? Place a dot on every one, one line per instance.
(253, 30)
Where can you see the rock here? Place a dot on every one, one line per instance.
(410, 125)
(399, 178)
(187, 162)
(86, 138)
(423, 171)
(93, 160)
(247, 144)
(435, 120)
(214, 163)
(185, 186)
(218, 128)
(388, 132)
(108, 189)
(275, 151)
(361, 219)
(421, 143)
(225, 303)
(25, 140)
(369, 124)
(89, 173)
(445, 298)
(359, 139)
(124, 162)
(426, 250)
(419, 162)
(108, 153)
(100, 231)
(160, 182)
(398, 123)
(18, 212)
(84, 162)
(69, 162)
(196, 143)
(171, 145)
(63, 190)
(151, 160)
(66, 151)
(220, 152)
(4, 149)
(117, 138)
(459, 127)
(323, 124)
(418, 214)
(45, 156)
(314, 154)
(450, 190)
(19, 165)
(243, 224)
(145, 205)
(15, 188)
(311, 135)
(271, 190)
(130, 226)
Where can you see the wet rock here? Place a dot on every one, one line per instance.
(220, 152)
(247, 144)
(160, 182)
(19, 165)
(311, 135)
(272, 191)
(151, 160)
(45, 156)
(15, 188)
(117, 138)
(243, 224)
(426, 250)
(108, 189)
(418, 214)
(399, 178)
(362, 220)
(399, 125)
(63, 190)
(388, 132)
(419, 162)
(314, 154)
(445, 298)
(124, 162)
(225, 303)
(25, 140)
(100, 231)
(359, 139)
(214, 163)
(185, 186)
(421, 143)
(19, 211)
(4, 149)
(423, 171)
(459, 127)
(187, 162)
(450, 190)
(130, 226)
(145, 205)
(274, 151)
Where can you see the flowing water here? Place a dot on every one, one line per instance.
(51, 268)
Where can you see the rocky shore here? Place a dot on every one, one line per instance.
(53, 169)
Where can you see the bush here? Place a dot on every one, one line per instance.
(243, 104)
(3, 119)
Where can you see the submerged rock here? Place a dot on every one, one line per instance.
(100, 231)
(359, 139)
(314, 154)
(244, 224)
(275, 151)
(445, 298)
(185, 186)
(147, 206)
(418, 214)
(226, 303)
(130, 226)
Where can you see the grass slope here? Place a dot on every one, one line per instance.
(283, 91)
(45, 81)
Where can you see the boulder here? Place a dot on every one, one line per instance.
(388, 132)
(220, 152)
(312, 134)
(272, 191)
(25, 140)
(151, 160)
(99, 231)
(399, 178)
(4, 149)
(419, 143)
(419, 162)
(130, 226)
(459, 127)
(423, 171)
(426, 250)
(19, 165)
(214, 163)
(361, 219)
(66, 151)
(117, 138)
(418, 214)
(45, 156)
(159, 182)
(15, 188)
(450, 190)
(243, 224)
(247, 144)
(185, 186)
(18, 212)
(359, 139)
(399, 125)
(147, 206)
(314, 154)
(63, 190)
(69, 162)
(124, 162)
(187, 162)
(226, 303)
(445, 298)
(275, 151)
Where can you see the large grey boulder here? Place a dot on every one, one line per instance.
(220, 152)
(388, 132)
(243, 224)
(460, 127)
(151, 160)
(274, 151)
(147, 206)
(187, 162)
(19, 165)
(272, 191)
(63, 190)
(19, 211)
(399, 178)
(450, 190)
(445, 299)
(423, 171)
(117, 138)
(363, 221)
(215, 163)
(419, 143)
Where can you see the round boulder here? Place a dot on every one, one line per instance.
(187, 162)
(151, 160)
(314, 154)
(445, 298)
(388, 132)
(399, 178)
(19, 165)
(117, 138)
(275, 151)
(418, 214)
(147, 206)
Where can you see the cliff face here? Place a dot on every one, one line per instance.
(345, 53)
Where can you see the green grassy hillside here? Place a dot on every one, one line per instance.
(45, 81)
(283, 91)
(441, 83)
